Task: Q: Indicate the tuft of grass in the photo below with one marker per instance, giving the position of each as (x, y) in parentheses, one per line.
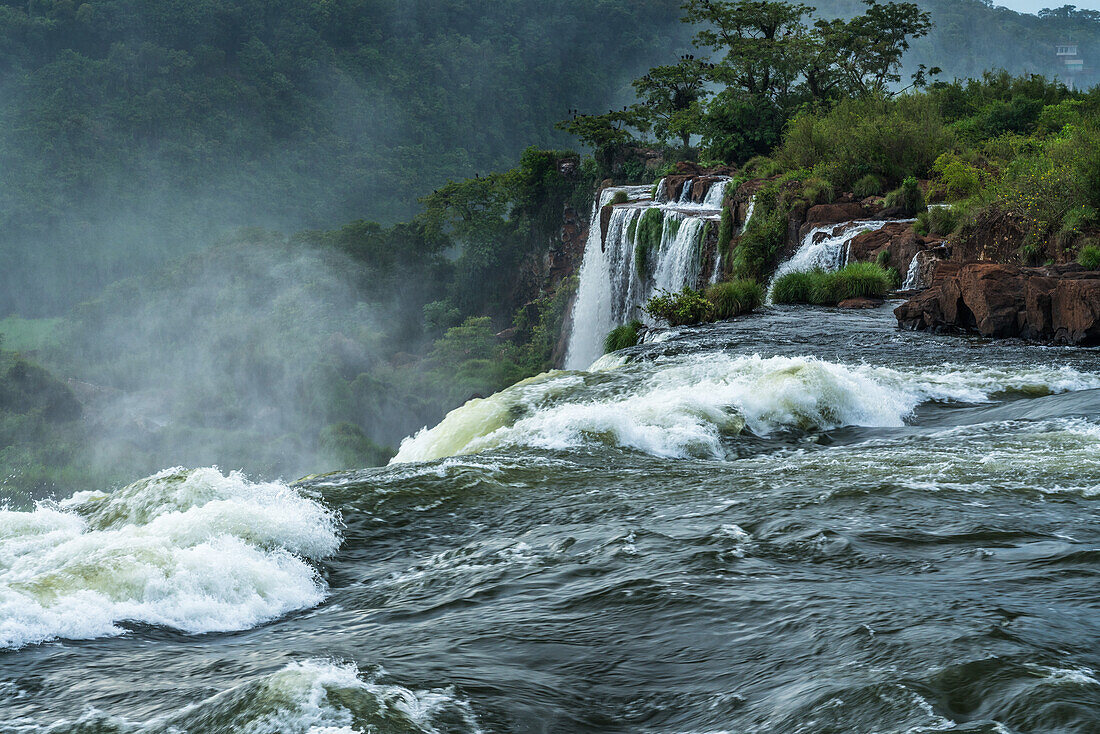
(619, 197)
(869, 185)
(821, 288)
(622, 337)
(1089, 256)
(909, 198)
(734, 298)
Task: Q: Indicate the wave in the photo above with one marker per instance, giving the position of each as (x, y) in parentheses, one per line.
(686, 406)
(193, 550)
(310, 697)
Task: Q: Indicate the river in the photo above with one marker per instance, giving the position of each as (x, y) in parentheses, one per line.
(800, 521)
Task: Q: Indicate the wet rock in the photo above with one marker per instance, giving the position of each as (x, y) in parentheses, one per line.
(856, 303)
(1059, 304)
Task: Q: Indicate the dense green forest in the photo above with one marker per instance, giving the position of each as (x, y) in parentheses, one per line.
(133, 130)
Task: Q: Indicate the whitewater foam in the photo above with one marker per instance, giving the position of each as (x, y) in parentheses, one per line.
(193, 550)
(687, 406)
(309, 697)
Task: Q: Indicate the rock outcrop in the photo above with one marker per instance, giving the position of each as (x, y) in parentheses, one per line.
(1058, 304)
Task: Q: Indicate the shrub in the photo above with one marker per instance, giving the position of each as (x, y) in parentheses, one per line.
(818, 191)
(619, 197)
(887, 138)
(940, 220)
(895, 277)
(622, 337)
(869, 185)
(883, 258)
(955, 178)
(756, 252)
(1031, 254)
(734, 298)
(680, 309)
(909, 198)
(1089, 256)
(858, 280)
(1078, 219)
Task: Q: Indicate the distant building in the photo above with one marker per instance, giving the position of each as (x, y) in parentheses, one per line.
(1072, 63)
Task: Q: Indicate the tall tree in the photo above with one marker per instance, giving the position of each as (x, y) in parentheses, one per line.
(672, 97)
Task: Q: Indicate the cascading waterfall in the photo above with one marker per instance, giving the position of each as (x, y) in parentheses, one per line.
(748, 214)
(831, 251)
(912, 278)
(612, 291)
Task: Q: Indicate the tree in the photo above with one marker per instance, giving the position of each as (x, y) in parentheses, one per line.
(867, 50)
(608, 134)
(672, 97)
(761, 45)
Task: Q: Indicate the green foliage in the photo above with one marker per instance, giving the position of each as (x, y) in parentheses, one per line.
(672, 96)
(908, 198)
(725, 234)
(955, 178)
(939, 220)
(734, 298)
(620, 197)
(758, 249)
(680, 309)
(622, 337)
(869, 185)
(648, 235)
(1089, 256)
(818, 287)
(890, 139)
(818, 191)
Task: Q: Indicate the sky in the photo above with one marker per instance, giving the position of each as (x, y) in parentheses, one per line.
(1034, 6)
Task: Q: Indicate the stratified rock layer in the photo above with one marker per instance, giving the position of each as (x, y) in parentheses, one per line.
(1059, 304)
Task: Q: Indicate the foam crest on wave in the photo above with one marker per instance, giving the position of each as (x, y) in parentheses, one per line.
(194, 550)
(686, 406)
(310, 697)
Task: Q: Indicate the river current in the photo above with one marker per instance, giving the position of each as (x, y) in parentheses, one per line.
(802, 521)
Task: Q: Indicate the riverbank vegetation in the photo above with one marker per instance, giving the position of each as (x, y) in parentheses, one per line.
(828, 288)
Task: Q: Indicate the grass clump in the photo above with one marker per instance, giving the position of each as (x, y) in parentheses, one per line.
(622, 337)
(734, 298)
(867, 186)
(685, 308)
(909, 198)
(821, 288)
(619, 197)
(1089, 256)
(940, 220)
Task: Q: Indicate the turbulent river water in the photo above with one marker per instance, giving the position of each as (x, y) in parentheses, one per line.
(801, 521)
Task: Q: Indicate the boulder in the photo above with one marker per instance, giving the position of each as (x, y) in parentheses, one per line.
(834, 213)
(1059, 304)
(860, 303)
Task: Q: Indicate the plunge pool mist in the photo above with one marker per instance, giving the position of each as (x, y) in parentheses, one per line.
(800, 521)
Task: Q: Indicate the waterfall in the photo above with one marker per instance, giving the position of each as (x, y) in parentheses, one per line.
(748, 214)
(912, 278)
(685, 192)
(611, 290)
(831, 251)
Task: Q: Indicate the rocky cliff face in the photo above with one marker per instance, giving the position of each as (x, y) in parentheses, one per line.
(1058, 304)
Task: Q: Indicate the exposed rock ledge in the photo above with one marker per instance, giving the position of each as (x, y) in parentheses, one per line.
(1058, 304)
